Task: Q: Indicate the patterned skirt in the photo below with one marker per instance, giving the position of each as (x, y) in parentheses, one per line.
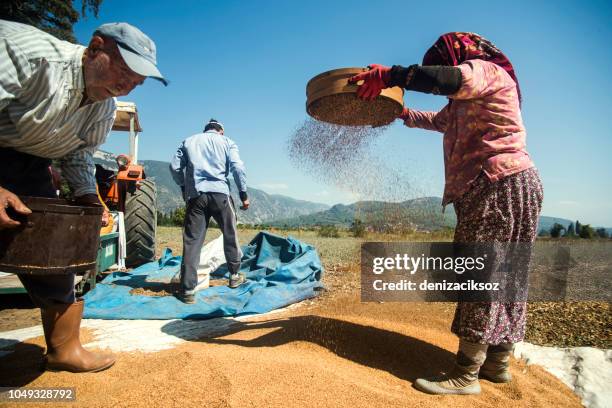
(505, 211)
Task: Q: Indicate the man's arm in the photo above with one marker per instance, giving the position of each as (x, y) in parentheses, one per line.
(15, 70)
(177, 166)
(239, 172)
(78, 167)
(79, 170)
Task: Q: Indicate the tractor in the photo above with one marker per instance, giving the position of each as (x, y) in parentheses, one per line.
(129, 191)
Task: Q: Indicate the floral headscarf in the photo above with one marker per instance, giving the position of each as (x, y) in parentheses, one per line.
(457, 47)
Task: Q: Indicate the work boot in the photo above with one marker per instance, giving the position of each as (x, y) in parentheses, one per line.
(61, 324)
(463, 379)
(495, 367)
(236, 279)
(187, 296)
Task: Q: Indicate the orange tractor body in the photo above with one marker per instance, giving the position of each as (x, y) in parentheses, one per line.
(129, 191)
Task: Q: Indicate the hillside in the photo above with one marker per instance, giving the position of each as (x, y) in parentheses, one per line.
(278, 210)
(264, 207)
(421, 214)
(547, 222)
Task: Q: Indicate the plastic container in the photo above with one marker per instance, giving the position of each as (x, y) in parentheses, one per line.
(108, 250)
(330, 98)
(58, 238)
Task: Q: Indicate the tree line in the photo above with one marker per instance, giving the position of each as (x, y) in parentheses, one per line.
(574, 230)
(358, 228)
(176, 218)
(57, 17)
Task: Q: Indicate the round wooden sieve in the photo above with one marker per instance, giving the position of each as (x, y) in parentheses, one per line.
(331, 99)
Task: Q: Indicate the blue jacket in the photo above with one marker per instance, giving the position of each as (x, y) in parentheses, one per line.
(203, 162)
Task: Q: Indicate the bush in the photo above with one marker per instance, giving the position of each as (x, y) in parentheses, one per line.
(556, 229)
(178, 217)
(329, 231)
(543, 233)
(357, 228)
(586, 231)
(164, 220)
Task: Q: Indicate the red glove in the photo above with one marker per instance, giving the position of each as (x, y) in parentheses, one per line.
(374, 81)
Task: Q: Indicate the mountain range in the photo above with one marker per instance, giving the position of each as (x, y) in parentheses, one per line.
(264, 207)
(421, 213)
(547, 222)
(277, 210)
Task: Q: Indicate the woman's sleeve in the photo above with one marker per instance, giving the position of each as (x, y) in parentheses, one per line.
(427, 120)
(480, 79)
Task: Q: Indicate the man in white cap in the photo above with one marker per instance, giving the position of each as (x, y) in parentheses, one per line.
(201, 167)
(57, 102)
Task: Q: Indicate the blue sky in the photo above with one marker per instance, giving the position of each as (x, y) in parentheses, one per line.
(246, 63)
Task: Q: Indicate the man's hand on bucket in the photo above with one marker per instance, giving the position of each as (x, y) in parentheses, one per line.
(10, 200)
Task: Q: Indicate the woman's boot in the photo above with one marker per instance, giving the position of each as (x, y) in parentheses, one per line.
(495, 367)
(61, 324)
(463, 379)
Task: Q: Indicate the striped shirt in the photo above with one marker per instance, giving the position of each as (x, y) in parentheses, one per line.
(41, 88)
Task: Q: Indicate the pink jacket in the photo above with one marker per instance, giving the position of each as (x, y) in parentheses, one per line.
(482, 126)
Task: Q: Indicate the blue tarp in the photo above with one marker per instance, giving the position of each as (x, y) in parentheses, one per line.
(280, 271)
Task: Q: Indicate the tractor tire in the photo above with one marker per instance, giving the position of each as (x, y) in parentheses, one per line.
(140, 224)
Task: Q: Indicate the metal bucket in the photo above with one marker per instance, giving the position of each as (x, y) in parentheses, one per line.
(329, 98)
(58, 238)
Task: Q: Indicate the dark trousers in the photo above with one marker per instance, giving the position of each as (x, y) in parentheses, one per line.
(27, 175)
(197, 216)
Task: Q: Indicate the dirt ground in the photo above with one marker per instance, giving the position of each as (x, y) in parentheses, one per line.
(16, 312)
(333, 352)
(338, 352)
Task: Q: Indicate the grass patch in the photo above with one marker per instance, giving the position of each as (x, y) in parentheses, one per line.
(569, 324)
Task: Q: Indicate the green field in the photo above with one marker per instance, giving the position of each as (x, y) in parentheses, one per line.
(344, 249)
